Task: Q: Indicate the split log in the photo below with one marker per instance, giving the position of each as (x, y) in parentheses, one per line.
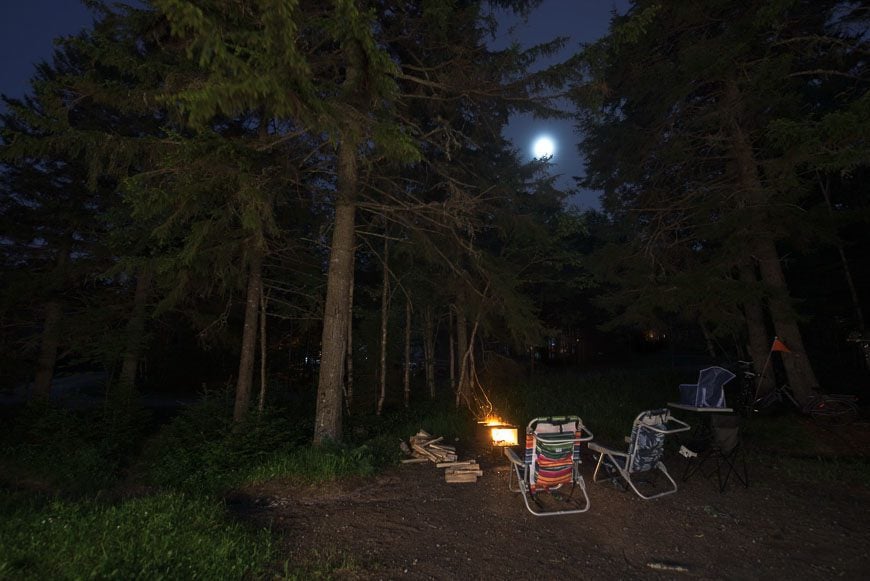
(456, 464)
(454, 478)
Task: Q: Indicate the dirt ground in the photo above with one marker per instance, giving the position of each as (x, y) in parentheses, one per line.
(410, 524)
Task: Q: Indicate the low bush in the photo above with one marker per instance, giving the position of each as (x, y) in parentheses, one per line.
(70, 451)
(202, 450)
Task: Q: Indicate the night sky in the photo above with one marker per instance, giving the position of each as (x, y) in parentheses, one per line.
(27, 29)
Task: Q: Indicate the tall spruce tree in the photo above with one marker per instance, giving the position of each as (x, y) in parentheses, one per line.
(679, 98)
(53, 224)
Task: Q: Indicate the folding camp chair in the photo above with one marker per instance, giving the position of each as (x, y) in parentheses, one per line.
(645, 448)
(551, 462)
(723, 454)
(709, 391)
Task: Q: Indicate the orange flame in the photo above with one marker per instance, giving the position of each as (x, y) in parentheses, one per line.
(504, 436)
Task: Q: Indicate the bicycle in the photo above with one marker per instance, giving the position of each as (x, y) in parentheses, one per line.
(748, 386)
(826, 409)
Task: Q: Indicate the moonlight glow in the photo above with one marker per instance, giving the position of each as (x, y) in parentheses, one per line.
(543, 147)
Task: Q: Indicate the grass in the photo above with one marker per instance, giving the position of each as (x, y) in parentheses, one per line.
(606, 401)
(853, 471)
(165, 536)
(62, 469)
(76, 452)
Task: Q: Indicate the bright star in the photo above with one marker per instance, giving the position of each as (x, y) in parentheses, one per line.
(543, 147)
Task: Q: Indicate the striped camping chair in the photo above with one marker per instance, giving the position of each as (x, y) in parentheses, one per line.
(551, 463)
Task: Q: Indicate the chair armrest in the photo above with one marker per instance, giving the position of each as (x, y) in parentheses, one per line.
(605, 450)
(682, 427)
(512, 456)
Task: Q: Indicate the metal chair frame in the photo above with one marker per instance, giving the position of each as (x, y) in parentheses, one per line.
(631, 463)
(526, 469)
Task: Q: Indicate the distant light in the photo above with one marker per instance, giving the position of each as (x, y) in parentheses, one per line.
(543, 147)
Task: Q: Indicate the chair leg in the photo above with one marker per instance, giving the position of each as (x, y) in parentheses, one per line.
(598, 467)
(732, 462)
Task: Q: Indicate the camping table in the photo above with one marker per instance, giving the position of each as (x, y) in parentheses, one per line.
(702, 433)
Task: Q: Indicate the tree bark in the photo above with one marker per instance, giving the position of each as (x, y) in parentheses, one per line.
(327, 424)
(406, 383)
(51, 329)
(429, 350)
(801, 377)
(385, 319)
(847, 271)
(757, 335)
(348, 358)
(48, 351)
(708, 340)
(261, 400)
(462, 349)
(452, 349)
(249, 339)
(135, 336)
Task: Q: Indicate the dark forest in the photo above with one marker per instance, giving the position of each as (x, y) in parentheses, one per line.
(250, 246)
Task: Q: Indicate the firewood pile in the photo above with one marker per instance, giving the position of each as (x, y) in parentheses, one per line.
(423, 447)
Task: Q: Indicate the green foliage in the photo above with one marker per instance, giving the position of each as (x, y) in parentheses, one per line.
(167, 536)
(606, 401)
(203, 450)
(74, 452)
(312, 464)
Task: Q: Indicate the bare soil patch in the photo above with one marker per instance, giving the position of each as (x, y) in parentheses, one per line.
(408, 523)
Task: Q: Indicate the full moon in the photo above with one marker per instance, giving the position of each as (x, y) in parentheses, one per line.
(543, 147)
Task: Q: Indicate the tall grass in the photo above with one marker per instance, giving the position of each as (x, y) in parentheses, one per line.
(606, 401)
(203, 451)
(69, 451)
(167, 536)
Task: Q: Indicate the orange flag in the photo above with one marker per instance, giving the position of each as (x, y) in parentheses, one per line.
(779, 346)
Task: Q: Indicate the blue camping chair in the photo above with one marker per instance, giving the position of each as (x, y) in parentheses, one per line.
(645, 448)
(708, 392)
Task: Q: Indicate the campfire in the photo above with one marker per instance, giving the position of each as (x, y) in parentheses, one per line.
(502, 433)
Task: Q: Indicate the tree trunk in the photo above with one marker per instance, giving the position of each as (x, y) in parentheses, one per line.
(847, 271)
(348, 358)
(48, 351)
(385, 319)
(249, 339)
(134, 337)
(801, 377)
(406, 380)
(452, 349)
(327, 425)
(800, 373)
(429, 350)
(51, 329)
(708, 340)
(757, 336)
(261, 400)
(462, 349)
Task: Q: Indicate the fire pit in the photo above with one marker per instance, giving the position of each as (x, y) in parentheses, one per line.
(501, 433)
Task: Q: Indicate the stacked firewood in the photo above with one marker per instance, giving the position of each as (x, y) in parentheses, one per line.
(423, 447)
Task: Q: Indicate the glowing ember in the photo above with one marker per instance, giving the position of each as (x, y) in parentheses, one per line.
(504, 436)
